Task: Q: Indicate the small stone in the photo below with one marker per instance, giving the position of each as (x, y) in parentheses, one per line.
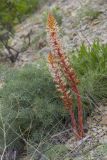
(104, 128)
(44, 51)
(105, 158)
(1, 84)
(103, 140)
(105, 112)
(96, 22)
(99, 131)
(104, 120)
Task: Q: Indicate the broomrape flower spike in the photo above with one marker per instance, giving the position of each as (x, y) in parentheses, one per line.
(61, 88)
(60, 68)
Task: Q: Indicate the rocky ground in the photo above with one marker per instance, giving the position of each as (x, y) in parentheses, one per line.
(82, 21)
(94, 145)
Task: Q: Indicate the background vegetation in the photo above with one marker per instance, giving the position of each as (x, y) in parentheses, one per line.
(14, 11)
(31, 106)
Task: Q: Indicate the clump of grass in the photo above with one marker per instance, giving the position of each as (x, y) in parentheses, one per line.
(92, 58)
(87, 12)
(91, 66)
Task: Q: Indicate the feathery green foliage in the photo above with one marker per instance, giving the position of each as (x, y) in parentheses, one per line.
(29, 101)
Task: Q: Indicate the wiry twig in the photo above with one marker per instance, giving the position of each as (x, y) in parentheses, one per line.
(59, 134)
